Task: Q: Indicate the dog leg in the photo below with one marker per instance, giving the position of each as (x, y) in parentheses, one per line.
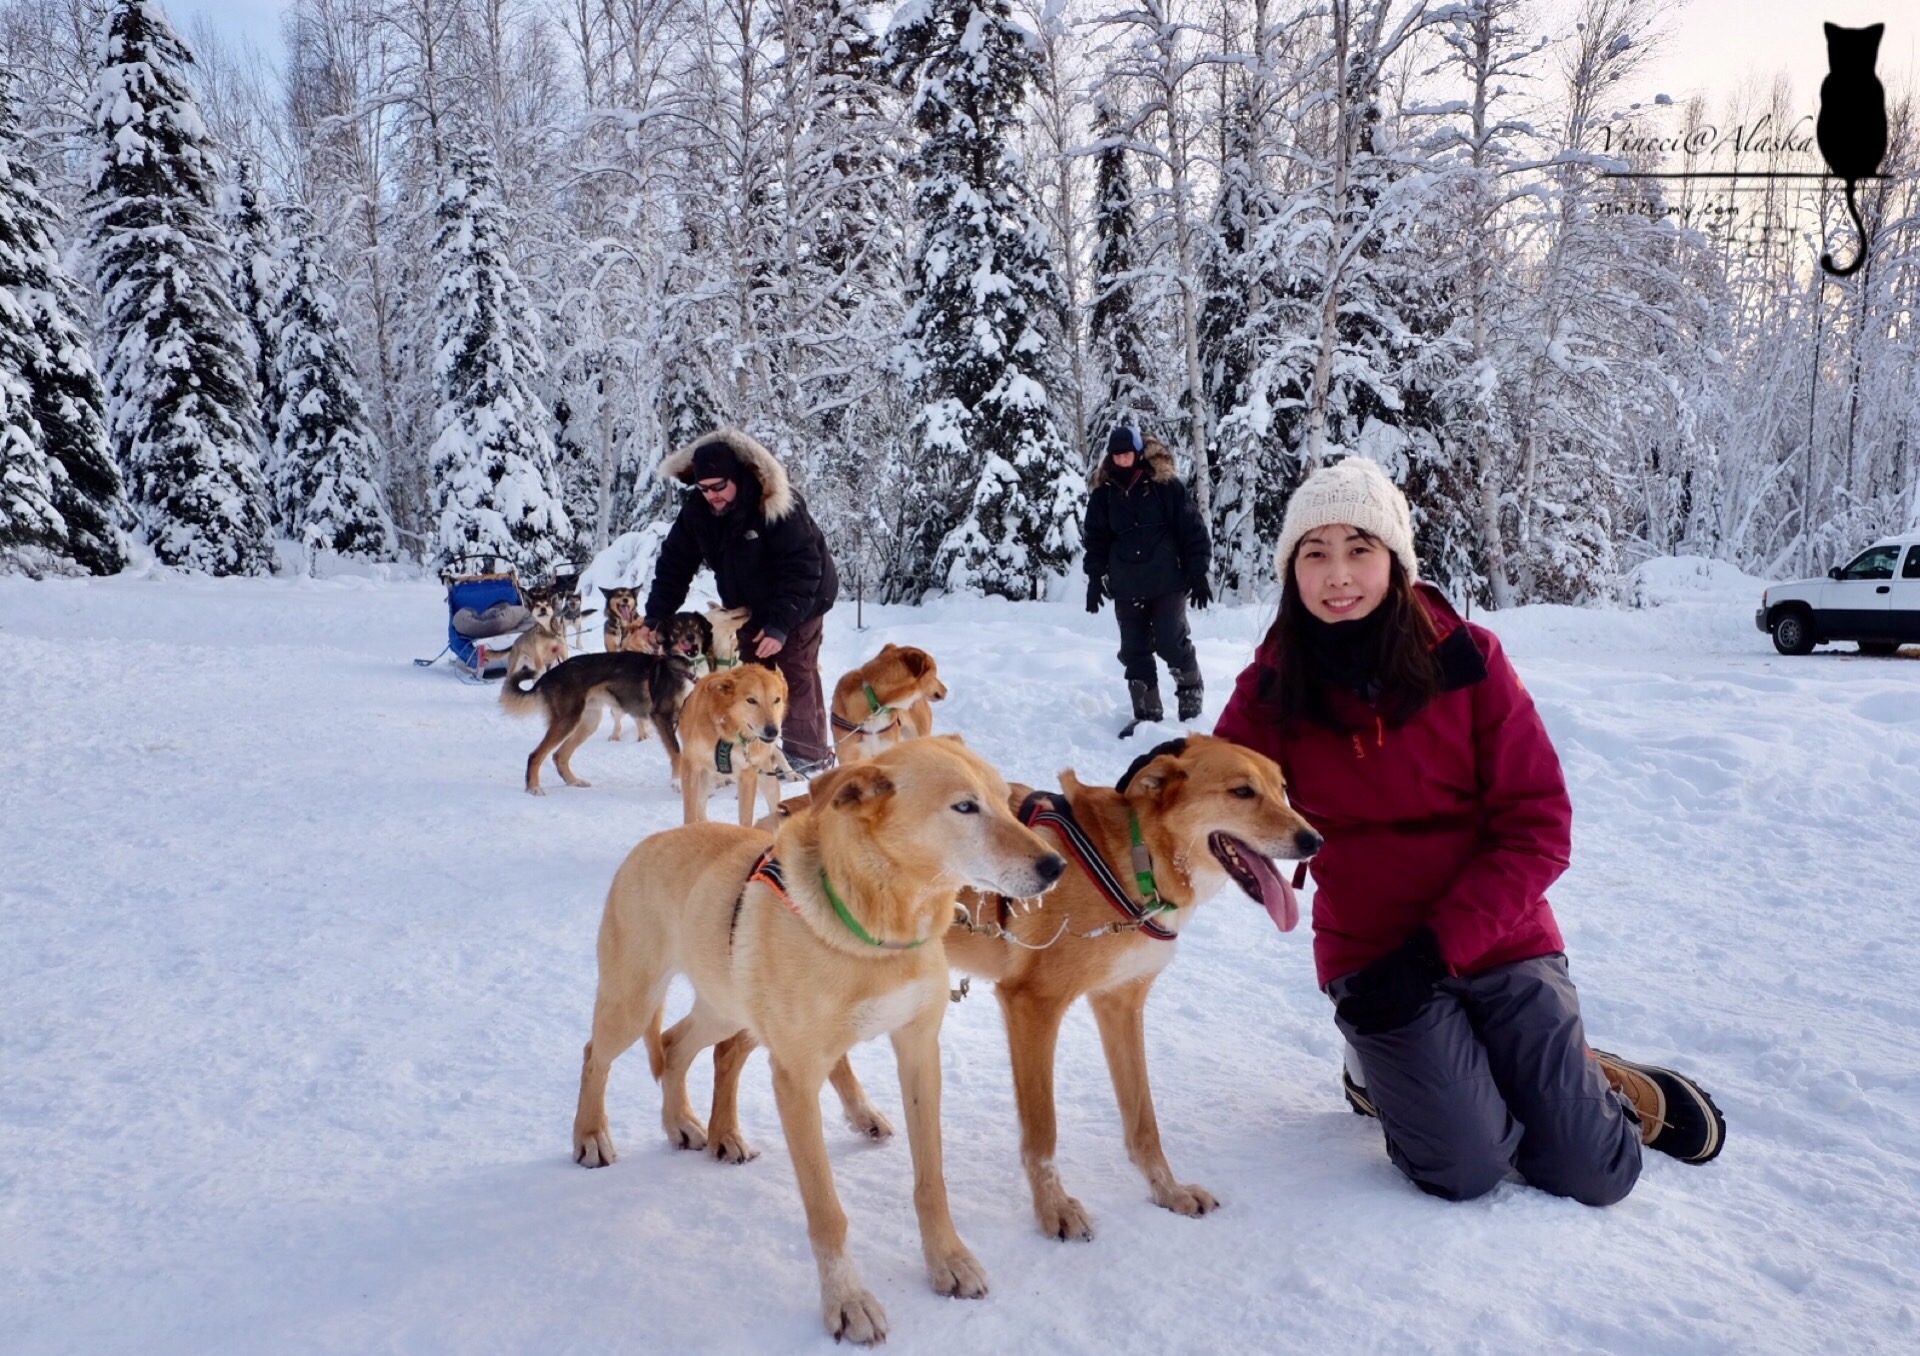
(693, 795)
(1121, 1014)
(664, 725)
(555, 735)
(614, 738)
(563, 756)
(847, 1307)
(626, 1005)
(862, 1115)
(1033, 1030)
(724, 1140)
(679, 1047)
(747, 783)
(952, 1269)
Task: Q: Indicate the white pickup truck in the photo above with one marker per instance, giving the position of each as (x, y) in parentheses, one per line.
(1872, 600)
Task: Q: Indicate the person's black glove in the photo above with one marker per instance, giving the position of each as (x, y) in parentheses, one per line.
(1387, 994)
(1094, 593)
(1199, 591)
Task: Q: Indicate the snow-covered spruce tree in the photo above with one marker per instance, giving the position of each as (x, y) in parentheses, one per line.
(326, 460)
(33, 536)
(253, 246)
(180, 405)
(1250, 445)
(43, 353)
(999, 504)
(1119, 368)
(493, 471)
(841, 287)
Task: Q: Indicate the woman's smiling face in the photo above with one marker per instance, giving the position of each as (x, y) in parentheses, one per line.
(1341, 572)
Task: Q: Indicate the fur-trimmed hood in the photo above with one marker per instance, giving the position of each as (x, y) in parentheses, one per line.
(1159, 464)
(776, 493)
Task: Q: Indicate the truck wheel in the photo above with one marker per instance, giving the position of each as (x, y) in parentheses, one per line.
(1793, 633)
(1879, 649)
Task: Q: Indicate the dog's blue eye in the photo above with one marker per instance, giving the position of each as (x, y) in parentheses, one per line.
(967, 807)
(1243, 793)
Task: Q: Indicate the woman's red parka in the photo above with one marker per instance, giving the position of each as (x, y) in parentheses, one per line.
(1458, 819)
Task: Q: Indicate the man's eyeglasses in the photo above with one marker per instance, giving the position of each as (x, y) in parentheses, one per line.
(712, 487)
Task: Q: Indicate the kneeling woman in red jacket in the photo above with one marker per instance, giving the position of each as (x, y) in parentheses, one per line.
(1409, 742)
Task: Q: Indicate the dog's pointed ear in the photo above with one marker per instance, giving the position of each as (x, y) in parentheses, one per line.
(853, 787)
(725, 685)
(1154, 772)
(1155, 780)
(915, 660)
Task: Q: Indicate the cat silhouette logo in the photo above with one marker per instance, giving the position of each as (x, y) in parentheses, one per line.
(1853, 120)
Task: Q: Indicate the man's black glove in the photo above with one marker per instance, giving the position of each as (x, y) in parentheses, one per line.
(1387, 994)
(1094, 593)
(1199, 591)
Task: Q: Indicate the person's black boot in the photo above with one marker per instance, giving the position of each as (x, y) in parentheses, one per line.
(1146, 705)
(1189, 691)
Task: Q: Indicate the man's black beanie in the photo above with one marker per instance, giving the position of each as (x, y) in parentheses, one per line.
(716, 461)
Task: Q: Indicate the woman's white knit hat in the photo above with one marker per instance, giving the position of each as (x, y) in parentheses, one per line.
(1354, 491)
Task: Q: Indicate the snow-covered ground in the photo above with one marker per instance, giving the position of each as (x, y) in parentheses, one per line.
(294, 981)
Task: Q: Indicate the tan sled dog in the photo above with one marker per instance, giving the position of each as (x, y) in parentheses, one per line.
(841, 943)
(730, 732)
(542, 645)
(885, 700)
(726, 623)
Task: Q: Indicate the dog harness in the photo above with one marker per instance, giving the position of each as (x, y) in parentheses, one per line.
(723, 754)
(867, 726)
(769, 873)
(1052, 810)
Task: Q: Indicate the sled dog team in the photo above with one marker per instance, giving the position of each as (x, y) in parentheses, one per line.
(1409, 739)
(839, 917)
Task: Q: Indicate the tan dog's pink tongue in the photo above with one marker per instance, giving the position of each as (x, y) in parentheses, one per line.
(1283, 906)
(1276, 893)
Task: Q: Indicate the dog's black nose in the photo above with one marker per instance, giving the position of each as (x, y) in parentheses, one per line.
(1306, 842)
(1051, 868)
(770, 732)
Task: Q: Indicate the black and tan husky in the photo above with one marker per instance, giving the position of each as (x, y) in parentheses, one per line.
(644, 686)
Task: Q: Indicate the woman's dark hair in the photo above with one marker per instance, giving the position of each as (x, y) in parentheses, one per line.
(1408, 674)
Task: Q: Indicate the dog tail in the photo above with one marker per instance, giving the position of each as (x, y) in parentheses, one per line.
(656, 1052)
(520, 701)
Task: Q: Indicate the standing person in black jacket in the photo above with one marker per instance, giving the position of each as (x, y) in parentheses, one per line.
(751, 528)
(1147, 550)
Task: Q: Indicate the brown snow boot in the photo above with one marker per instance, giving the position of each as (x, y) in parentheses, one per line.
(1146, 705)
(1675, 1114)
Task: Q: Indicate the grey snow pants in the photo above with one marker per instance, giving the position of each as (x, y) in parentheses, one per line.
(1493, 1076)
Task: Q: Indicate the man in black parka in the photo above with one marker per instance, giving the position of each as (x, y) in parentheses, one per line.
(746, 523)
(1147, 550)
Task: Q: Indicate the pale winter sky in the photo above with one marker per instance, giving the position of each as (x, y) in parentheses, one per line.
(1713, 47)
(1717, 44)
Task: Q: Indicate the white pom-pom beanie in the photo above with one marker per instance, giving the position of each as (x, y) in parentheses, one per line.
(1354, 491)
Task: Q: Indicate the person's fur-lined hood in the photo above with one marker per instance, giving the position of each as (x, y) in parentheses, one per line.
(1159, 464)
(776, 494)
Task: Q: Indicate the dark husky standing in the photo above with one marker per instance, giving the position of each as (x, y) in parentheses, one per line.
(644, 686)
